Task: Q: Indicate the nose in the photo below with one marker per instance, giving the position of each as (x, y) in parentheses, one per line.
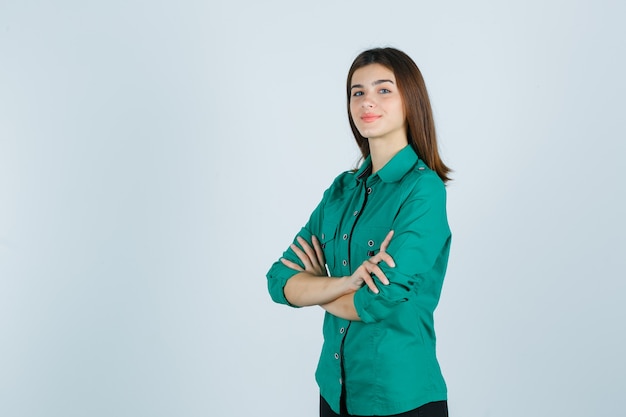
(367, 102)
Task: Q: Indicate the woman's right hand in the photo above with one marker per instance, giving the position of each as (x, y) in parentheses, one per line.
(311, 257)
(364, 273)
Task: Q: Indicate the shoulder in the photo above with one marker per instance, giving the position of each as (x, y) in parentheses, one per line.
(344, 181)
(346, 178)
(340, 189)
(421, 182)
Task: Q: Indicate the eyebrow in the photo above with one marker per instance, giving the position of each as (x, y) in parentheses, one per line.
(377, 82)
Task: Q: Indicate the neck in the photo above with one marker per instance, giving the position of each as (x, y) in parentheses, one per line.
(381, 151)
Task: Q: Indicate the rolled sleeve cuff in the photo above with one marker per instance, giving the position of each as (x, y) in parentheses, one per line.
(277, 278)
(371, 307)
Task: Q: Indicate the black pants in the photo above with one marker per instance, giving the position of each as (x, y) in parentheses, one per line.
(434, 409)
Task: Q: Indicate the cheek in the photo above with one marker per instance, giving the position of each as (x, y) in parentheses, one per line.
(353, 109)
(399, 109)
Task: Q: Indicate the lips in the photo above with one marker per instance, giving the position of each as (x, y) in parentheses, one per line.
(368, 118)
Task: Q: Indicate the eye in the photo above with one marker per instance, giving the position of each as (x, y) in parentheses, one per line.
(384, 91)
(357, 94)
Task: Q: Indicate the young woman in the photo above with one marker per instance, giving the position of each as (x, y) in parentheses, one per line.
(374, 252)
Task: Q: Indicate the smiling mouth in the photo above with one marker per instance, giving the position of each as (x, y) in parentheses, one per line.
(369, 118)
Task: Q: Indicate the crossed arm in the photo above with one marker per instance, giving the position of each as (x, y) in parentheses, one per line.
(313, 286)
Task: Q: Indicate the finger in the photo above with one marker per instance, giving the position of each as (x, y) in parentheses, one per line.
(367, 271)
(375, 270)
(319, 251)
(369, 281)
(309, 251)
(302, 256)
(385, 244)
(383, 256)
(291, 265)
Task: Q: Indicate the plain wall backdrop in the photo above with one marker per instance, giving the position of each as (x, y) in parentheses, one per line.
(157, 157)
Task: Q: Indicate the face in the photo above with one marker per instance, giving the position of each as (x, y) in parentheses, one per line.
(376, 105)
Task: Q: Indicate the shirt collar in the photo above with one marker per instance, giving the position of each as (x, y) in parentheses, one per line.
(394, 170)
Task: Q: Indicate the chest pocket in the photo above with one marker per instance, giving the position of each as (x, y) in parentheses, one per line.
(366, 242)
(328, 242)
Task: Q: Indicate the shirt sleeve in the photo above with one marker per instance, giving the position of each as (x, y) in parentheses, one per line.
(279, 274)
(419, 247)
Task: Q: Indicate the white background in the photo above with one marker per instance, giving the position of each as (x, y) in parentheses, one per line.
(157, 157)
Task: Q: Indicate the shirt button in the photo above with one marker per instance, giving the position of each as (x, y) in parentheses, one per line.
(345, 236)
(370, 243)
(323, 236)
(369, 190)
(356, 212)
(336, 356)
(340, 381)
(345, 262)
(342, 330)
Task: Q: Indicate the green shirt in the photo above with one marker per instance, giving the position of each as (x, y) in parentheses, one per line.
(387, 361)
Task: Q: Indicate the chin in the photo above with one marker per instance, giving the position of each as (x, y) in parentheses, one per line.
(369, 133)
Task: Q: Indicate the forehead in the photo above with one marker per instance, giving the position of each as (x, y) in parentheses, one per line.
(371, 73)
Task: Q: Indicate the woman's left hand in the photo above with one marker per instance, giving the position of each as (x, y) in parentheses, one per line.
(311, 257)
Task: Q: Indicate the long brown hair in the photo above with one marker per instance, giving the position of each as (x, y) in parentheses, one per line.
(419, 115)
